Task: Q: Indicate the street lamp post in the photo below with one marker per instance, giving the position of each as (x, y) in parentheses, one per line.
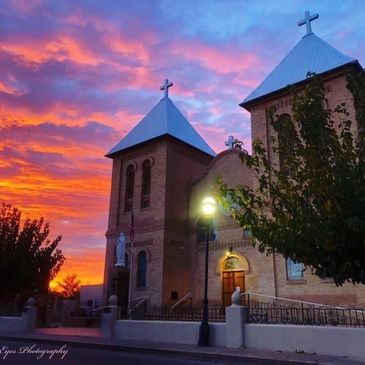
(209, 207)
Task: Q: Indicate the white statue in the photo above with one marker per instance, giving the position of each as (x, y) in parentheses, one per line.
(236, 297)
(120, 250)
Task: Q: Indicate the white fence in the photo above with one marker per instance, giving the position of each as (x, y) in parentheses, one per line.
(236, 333)
(168, 332)
(24, 324)
(11, 324)
(337, 341)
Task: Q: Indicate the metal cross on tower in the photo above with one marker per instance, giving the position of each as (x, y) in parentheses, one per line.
(231, 142)
(165, 87)
(307, 21)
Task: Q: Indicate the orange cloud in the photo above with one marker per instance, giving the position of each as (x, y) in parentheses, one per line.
(62, 114)
(67, 182)
(88, 265)
(59, 49)
(51, 154)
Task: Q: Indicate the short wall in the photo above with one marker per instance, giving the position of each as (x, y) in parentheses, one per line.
(11, 324)
(168, 332)
(338, 341)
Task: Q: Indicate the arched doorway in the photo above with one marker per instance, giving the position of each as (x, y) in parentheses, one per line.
(233, 275)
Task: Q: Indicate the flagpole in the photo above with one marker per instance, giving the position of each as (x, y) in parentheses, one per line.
(130, 279)
(131, 240)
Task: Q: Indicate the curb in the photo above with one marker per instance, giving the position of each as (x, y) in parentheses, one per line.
(181, 353)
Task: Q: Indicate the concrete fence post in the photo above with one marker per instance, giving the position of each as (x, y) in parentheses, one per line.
(236, 319)
(108, 318)
(29, 316)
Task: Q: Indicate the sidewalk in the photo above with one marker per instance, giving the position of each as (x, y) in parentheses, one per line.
(90, 338)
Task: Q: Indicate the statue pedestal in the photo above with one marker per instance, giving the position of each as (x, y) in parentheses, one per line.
(236, 318)
(118, 284)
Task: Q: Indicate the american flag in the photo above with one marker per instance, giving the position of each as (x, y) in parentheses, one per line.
(131, 228)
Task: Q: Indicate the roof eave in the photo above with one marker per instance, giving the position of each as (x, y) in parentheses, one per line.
(248, 104)
(127, 149)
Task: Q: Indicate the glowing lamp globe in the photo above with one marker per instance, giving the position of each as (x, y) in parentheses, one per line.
(209, 206)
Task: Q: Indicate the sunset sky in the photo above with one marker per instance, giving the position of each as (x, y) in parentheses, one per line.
(76, 76)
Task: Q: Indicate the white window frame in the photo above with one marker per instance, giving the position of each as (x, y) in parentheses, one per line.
(294, 270)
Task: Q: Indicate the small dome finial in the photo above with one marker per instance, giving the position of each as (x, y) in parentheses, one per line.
(231, 142)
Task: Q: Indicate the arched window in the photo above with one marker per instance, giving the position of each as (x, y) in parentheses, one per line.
(283, 143)
(141, 269)
(146, 184)
(129, 189)
(201, 231)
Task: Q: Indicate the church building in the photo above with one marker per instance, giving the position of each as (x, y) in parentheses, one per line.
(162, 169)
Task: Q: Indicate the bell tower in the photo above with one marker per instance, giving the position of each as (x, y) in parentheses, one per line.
(153, 168)
(311, 55)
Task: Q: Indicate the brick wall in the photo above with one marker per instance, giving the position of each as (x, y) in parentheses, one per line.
(184, 165)
(149, 222)
(161, 229)
(311, 288)
(181, 177)
(259, 276)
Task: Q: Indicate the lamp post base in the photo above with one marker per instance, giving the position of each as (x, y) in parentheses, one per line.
(203, 334)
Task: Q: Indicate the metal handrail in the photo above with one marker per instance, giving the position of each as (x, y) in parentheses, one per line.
(139, 299)
(139, 303)
(96, 310)
(296, 301)
(181, 301)
(301, 313)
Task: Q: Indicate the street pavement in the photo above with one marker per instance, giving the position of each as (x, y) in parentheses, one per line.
(15, 352)
(85, 346)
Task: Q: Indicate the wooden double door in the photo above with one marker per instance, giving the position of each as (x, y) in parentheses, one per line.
(230, 280)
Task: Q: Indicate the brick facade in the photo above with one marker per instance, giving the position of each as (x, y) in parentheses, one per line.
(166, 230)
(162, 229)
(311, 288)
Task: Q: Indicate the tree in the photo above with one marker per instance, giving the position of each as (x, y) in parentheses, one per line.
(28, 259)
(312, 209)
(70, 286)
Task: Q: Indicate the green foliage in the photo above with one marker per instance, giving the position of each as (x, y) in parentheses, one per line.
(70, 287)
(28, 260)
(313, 210)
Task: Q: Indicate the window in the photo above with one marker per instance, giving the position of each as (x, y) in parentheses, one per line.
(146, 184)
(283, 142)
(201, 231)
(129, 189)
(231, 205)
(294, 270)
(246, 233)
(141, 269)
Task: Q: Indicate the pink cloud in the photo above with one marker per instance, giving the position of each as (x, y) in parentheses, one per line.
(10, 89)
(225, 59)
(25, 7)
(131, 48)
